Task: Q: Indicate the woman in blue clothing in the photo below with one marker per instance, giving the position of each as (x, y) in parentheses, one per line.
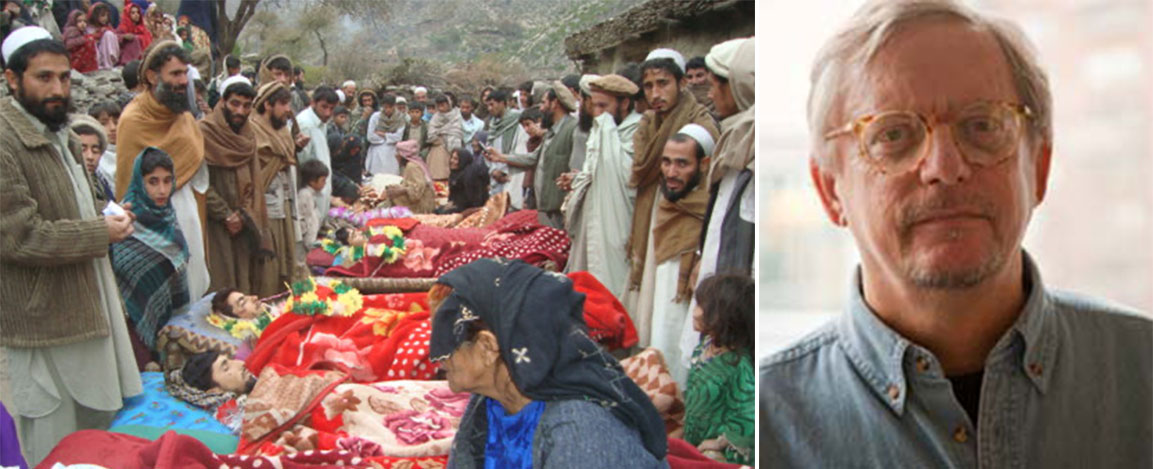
(544, 393)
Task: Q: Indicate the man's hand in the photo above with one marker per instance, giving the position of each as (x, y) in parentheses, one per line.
(302, 140)
(564, 182)
(495, 156)
(119, 227)
(234, 223)
(128, 210)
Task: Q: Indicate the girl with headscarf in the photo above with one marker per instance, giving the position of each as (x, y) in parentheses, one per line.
(467, 183)
(151, 266)
(514, 336)
(416, 191)
(135, 36)
(107, 41)
(81, 46)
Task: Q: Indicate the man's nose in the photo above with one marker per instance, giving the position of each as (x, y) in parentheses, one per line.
(944, 162)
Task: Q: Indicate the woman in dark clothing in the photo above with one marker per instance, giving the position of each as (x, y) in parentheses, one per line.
(467, 183)
(348, 159)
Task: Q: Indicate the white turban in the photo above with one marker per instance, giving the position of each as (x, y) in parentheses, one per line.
(701, 135)
(720, 57)
(348, 84)
(20, 37)
(420, 89)
(667, 54)
(232, 80)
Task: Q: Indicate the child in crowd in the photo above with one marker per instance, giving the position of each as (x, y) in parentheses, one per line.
(313, 176)
(719, 397)
(107, 113)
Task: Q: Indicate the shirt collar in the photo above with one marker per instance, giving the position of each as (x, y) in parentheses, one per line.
(878, 352)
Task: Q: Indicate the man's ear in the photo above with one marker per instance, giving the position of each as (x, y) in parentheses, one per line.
(826, 185)
(10, 76)
(1041, 163)
(150, 76)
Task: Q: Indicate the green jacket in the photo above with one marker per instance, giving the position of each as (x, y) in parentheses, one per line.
(550, 160)
(49, 294)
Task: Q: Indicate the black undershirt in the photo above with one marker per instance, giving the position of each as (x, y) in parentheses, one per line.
(967, 389)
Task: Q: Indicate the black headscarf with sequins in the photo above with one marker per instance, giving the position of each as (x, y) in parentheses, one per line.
(538, 321)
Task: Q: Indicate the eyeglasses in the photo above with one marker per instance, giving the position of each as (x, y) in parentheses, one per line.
(897, 141)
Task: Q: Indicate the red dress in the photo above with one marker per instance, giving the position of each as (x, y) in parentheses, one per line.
(81, 46)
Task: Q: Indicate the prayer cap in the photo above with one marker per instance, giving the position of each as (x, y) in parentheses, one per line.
(232, 80)
(720, 57)
(21, 37)
(400, 99)
(615, 85)
(701, 135)
(348, 83)
(667, 54)
(584, 82)
(419, 89)
(564, 95)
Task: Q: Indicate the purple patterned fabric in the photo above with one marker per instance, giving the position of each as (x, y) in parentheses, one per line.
(9, 446)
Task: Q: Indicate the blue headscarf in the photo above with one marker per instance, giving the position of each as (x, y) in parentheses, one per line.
(538, 321)
(161, 221)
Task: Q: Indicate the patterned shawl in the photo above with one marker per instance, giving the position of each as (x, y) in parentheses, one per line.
(151, 266)
(538, 320)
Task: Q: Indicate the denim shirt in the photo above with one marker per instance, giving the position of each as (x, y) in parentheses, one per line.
(1070, 384)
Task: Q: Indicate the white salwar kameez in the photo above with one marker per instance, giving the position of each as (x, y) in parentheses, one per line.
(381, 155)
(599, 212)
(317, 149)
(188, 217)
(656, 315)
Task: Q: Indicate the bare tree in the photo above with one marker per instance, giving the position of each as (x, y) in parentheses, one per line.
(228, 29)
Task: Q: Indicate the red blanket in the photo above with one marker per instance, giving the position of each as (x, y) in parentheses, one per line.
(433, 251)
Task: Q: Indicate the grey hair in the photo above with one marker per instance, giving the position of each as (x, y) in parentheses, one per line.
(871, 27)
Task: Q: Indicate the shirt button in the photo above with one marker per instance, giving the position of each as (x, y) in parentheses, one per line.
(961, 435)
(1035, 368)
(922, 364)
(894, 392)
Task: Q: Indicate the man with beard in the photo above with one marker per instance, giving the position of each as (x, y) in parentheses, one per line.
(276, 157)
(669, 109)
(584, 123)
(70, 359)
(160, 117)
(349, 89)
(312, 123)
(599, 212)
(235, 208)
(671, 252)
(551, 158)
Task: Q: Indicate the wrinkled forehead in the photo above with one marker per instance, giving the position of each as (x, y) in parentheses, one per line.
(932, 66)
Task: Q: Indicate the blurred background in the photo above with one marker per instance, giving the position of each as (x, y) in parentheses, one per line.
(1094, 232)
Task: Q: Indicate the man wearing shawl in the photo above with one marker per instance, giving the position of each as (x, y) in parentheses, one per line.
(729, 233)
(599, 212)
(515, 337)
(385, 129)
(551, 158)
(70, 358)
(416, 191)
(470, 122)
(666, 287)
(312, 123)
(505, 134)
(670, 109)
(236, 226)
(276, 157)
(150, 266)
(445, 134)
(160, 118)
(367, 101)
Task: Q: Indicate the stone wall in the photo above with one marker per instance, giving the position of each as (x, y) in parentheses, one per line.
(88, 88)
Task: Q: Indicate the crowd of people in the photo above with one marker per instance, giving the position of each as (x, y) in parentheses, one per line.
(183, 188)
